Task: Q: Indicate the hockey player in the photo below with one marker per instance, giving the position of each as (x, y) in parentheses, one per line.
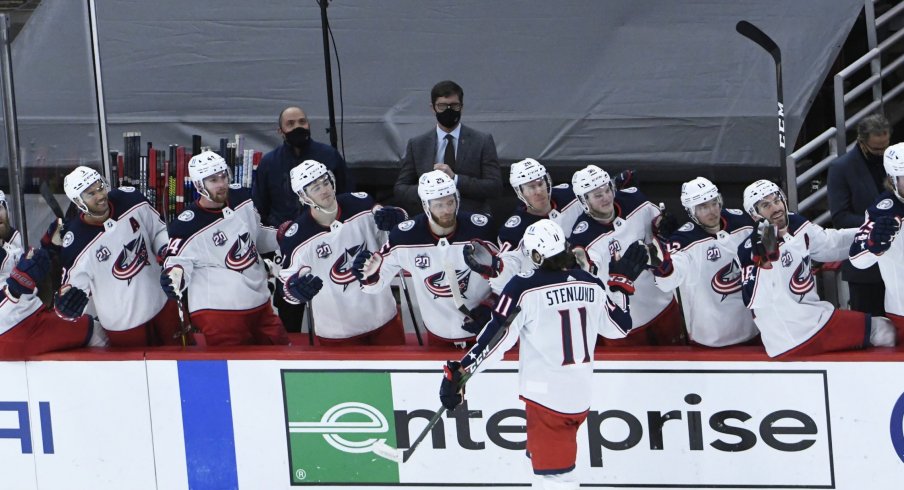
(533, 186)
(698, 261)
(320, 246)
(779, 286)
(428, 246)
(876, 239)
(213, 252)
(555, 306)
(26, 328)
(109, 253)
(612, 220)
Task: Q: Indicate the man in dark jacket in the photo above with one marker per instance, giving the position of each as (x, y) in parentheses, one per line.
(855, 179)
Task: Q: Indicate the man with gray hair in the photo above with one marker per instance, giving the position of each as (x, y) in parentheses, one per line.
(855, 180)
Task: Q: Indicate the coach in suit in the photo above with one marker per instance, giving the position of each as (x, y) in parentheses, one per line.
(466, 155)
(855, 181)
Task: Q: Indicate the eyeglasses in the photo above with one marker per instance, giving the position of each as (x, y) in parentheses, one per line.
(440, 107)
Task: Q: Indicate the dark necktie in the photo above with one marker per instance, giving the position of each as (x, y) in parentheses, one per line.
(449, 156)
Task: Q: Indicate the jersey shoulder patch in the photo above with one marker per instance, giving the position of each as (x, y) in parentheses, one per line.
(412, 232)
(126, 188)
(630, 190)
(68, 238)
(479, 219)
(360, 195)
(686, 227)
(562, 186)
(186, 215)
(235, 186)
(406, 225)
(885, 204)
(736, 212)
(580, 227)
(292, 230)
(513, 221)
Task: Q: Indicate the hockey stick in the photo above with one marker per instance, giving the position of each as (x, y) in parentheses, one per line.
(417, 329)
(457, 298)
(185, 326)
(51, 201)
(753, 33)
(384, 450)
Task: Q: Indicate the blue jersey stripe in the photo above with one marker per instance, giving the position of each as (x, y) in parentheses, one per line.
(207, 425)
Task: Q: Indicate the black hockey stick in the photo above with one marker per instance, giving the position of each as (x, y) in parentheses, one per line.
(51, 200)
(384, 450)
(417, 329)
(753, 33)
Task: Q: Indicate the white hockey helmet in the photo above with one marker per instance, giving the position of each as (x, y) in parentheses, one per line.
(587, 179)
(77, 182)
(893, 161)
(204, 165)
(546, 238)
(696, 192)
(434, 185)
(758, 191)
(3, 199)
(304, 174)
(528, 170)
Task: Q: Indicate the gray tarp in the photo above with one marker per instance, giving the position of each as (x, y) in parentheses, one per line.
(579, 81)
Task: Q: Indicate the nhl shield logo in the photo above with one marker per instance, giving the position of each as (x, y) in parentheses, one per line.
(242, 254)
(131, 260)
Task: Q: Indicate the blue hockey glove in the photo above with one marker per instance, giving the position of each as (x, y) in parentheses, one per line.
(302, 289)
(481, 315)
(30, 270)
(172, 282)
(388, 217)
(449, 392)
(366, 267)
(625, 178)
(880, 236)
(71, 304)
(482, 258)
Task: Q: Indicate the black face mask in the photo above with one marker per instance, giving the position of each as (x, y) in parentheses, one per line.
(299, 138)
(448, 118)
(874, 159)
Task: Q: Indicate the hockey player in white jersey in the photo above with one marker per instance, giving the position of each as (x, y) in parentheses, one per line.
(539, 200)
(320, 246)
(214, 254)
(698, 260)
(612, 220)
(778, 285)
(427, 247)
(879, 239)
(558, 311)
(109, 253)
(26, 327)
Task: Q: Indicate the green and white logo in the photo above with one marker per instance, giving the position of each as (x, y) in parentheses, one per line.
(332, 420)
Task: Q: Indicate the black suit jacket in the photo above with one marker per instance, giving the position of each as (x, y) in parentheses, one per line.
(851, 191)
(476, 165)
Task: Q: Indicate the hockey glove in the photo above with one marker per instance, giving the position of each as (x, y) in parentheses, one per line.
(366, 267)
(764, 242)
(30, 270)
(626, 178)
(665, 225)
(450, 394)
(388, 217)
(660, 262)
(172, 282)
(480, 316)
(624, 271)
(482, 258)
(71, 304)
(881, 234)
(584, 261)
(53, 237)
(302, 289)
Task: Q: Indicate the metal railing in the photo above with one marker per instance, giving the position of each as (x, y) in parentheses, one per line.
(836, 137)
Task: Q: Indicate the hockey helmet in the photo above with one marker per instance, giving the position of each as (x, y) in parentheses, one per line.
(758, 191)
(696, 192)
(78, 181)
(894, 165)
(304, 174)
(528, 170)
(587, 179)
(2, 199)
(546, 238)
(204, 165)
(434, 185)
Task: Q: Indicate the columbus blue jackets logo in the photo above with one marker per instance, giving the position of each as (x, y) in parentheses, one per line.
(802, 281)
(341, 272)
(727, 280)
(242, 254)
(439, 286)
(131, 260)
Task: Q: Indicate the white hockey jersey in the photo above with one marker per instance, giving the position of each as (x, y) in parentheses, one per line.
(891, 262)
(704, 271)
(561, 314)
(786, 308)
(341, 310)
(565, 212)
(116, 261)
(633, 222)
(14, 311)
(219, 252)
(413, 247)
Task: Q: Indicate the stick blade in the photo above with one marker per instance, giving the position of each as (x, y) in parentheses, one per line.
(756, 35)
(385, 451)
